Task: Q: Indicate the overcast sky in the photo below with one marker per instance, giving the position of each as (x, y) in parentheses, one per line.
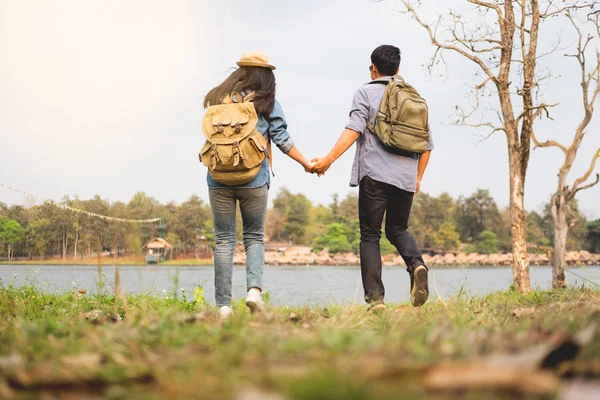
(106, 97)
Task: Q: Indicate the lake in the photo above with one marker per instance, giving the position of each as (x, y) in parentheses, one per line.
(294, 286)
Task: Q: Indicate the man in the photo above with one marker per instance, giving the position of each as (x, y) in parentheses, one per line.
(387, 184)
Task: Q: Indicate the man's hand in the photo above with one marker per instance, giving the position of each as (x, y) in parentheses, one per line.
(321, 165)
(418, 186)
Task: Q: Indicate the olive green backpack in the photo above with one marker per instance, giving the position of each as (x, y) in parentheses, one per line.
(234, 150)
(402, 120)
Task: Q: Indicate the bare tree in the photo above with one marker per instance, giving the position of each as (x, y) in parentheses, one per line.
(501, 39)
(561, 200)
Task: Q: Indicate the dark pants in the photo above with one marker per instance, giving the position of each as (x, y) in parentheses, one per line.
(375, 199)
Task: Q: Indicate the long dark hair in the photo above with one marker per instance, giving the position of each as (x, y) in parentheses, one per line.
(259, 80)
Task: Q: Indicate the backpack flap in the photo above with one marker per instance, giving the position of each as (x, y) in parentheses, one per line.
(229, 121)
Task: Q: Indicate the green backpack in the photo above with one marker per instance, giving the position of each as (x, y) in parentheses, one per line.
(234, 150)
(402, 120)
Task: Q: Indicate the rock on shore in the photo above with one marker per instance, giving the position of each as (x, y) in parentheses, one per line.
(305, 256)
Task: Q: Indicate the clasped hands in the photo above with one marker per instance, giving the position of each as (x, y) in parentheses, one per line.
(318, 165)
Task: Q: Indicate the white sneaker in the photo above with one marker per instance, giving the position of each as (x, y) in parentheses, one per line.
(254, 302)
(225, 312)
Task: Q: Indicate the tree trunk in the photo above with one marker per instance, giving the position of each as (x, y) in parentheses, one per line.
(9, 252)
(75, 245)
(64, 246)
(517, 215)
(561, 228)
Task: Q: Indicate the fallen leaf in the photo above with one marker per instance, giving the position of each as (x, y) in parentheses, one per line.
(94, 314)
(475, 376)
(11, 363)
(197, 317)
(256, 394)
(520, 312)
(89, 361)
(98, 316)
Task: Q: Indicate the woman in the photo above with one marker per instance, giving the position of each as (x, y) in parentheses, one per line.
(255, 78)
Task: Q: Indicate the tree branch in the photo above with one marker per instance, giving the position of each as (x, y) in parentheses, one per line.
(435, 42)
(538, 111)
(491, 6)
(585, 176)
(548, 13)
(584, 187)
(547, 143)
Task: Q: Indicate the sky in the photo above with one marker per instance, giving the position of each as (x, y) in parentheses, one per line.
(106, 97)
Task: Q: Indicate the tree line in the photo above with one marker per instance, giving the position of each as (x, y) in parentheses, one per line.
(439, 224)
(49, 230)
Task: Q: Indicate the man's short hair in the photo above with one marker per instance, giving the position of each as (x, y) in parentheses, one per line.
(387, 59)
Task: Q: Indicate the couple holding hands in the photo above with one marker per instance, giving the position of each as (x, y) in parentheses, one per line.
(389, 123)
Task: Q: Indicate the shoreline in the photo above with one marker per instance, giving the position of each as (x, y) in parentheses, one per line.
(210, 264)
(304, 259)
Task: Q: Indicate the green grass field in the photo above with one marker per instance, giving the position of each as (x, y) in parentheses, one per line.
(138, 346)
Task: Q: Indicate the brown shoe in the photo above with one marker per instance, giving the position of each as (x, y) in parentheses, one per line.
(419, 286)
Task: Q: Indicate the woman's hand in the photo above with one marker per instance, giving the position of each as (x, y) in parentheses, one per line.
(309, 167)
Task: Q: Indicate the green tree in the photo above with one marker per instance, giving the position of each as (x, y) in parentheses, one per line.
(189, 223)
(487, 243)
(475, 214)
(593, 237)
(447, 237)
(334, 240)
(292, 211)
(175, 241)
(319, 218)
(39, 236)
(386, 247)
(348, 208)
(11, 233)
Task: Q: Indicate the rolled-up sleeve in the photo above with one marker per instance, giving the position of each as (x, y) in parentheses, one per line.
(278, 130)
(359, 113)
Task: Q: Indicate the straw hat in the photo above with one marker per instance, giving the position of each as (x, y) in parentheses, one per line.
(255, 59)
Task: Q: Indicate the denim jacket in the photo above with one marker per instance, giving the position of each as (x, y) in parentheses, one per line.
(275, 127)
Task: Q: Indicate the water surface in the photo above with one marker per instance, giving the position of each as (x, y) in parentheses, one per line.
(294, 286)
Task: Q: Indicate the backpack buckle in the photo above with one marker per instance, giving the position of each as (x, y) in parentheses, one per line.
(220, 128)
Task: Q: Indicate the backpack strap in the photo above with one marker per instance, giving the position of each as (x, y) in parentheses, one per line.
(270, 154)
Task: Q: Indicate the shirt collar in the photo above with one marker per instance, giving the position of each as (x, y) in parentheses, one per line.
(383, 79)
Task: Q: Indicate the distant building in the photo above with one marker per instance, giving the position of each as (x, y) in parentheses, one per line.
(157, 250)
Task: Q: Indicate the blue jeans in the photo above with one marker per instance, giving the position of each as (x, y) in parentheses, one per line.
(253, 205)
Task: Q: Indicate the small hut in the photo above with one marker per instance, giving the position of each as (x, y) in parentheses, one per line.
(157, 250)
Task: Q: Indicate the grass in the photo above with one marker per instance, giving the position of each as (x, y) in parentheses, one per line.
(144, 346)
